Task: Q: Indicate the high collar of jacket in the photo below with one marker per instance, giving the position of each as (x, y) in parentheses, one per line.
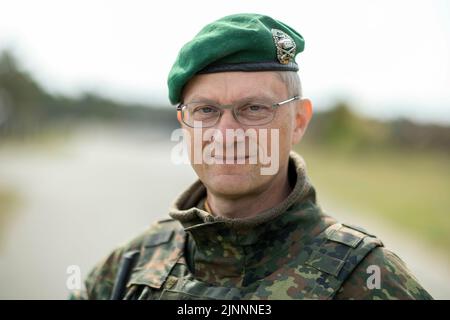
(225, 245)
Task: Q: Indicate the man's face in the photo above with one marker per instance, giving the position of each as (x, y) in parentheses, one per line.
(234, 180)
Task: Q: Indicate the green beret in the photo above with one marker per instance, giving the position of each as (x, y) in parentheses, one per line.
(240, 42)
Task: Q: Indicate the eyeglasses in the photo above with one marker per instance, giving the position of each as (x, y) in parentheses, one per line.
(207, 114)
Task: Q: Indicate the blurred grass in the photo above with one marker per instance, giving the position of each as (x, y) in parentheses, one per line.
(46, 139)
(409, 189)
(9, 200)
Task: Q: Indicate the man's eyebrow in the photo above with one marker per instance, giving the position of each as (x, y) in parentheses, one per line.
(201, 98)
(258, 97)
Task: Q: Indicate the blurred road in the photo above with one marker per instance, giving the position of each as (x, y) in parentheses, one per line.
(102, 187)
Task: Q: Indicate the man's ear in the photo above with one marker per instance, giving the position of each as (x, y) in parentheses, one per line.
(179, 117)
(302, 116)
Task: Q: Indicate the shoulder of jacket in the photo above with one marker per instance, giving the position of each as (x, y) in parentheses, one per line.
(101, 278)
(382, 275)
(339, 248)
(158, 233)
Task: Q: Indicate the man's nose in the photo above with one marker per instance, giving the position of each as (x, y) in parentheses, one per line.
(227, 121)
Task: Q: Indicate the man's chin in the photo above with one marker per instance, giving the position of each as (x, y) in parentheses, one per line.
(230, 172)
(231, 184)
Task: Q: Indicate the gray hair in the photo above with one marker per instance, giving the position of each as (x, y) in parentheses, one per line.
(292, 81)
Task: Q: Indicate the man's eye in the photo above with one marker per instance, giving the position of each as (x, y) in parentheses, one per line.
(255, 108)
(205, 110)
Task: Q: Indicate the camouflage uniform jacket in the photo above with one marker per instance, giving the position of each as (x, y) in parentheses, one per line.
(292, 251)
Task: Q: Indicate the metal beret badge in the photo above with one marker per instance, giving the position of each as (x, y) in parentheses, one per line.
(285, 46)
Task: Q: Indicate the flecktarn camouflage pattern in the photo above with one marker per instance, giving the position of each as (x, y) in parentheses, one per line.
(292, 251)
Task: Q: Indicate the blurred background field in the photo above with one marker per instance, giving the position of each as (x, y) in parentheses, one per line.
(83, 172)
(410, 190)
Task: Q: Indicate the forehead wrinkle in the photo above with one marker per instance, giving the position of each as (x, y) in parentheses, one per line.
(224, 90)
(247, 98)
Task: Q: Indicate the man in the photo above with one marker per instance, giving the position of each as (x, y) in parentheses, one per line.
(250, 227)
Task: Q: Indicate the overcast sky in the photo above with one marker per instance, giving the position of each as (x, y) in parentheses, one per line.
(389, 58)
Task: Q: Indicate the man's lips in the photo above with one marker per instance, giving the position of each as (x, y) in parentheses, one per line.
(219, 156)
